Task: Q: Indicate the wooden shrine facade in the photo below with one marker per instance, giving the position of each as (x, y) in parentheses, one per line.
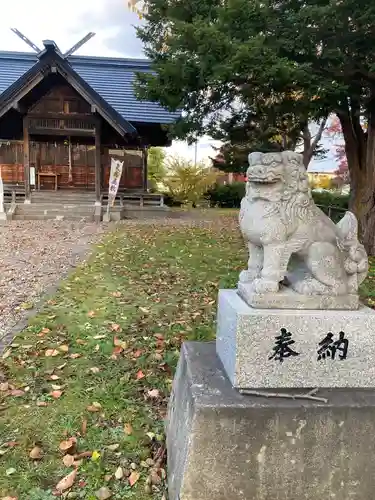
(56, 131)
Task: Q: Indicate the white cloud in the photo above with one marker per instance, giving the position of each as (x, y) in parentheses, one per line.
(64, 22)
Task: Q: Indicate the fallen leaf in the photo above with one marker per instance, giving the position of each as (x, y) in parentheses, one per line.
(68, 445)
(4, 387)
(61, 366)
(140, 375)
(133, 478)
(51, 353)
(119, 474)
(95, 456)
(120, 343)
(91, 314)
(68, 460)
(42, 403)
(95, 369)
(84, 454)
(115, 328)
(56, 394)
(9, 498)
(36, 453)
(84, 427)
(99, 337)
(67, 482)
(154, 393)
(17, 393)
(64, 348)
(94, 407)
(113, 447)
(117, 350)
(11, 444)
(75, 355)
(11, 471)
(43, 332)
(56, 387)
(81, 342)
(54, 377)
(116, 294)
(103, 494)
(128, 429)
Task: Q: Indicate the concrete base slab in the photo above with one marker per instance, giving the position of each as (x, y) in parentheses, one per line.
(287, 298)
(226, 446)
(295, 348)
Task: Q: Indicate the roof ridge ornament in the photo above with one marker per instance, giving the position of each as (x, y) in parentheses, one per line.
(26, 40)
(52, 44)
(79, 44)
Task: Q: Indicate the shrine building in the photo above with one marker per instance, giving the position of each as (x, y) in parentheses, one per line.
(62, 118)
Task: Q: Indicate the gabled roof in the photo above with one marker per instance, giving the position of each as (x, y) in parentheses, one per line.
(50, 61)
(112, 78)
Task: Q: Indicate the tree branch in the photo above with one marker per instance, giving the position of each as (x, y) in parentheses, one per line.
(264, 394)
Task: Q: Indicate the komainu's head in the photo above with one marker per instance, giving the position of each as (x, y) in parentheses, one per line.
(277, 177)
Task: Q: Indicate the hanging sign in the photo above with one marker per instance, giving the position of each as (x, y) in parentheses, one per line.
(114, 180)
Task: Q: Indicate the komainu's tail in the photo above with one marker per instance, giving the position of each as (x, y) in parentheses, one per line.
(356, 261)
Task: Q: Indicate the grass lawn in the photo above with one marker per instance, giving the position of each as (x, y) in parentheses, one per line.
(89, 379)
(92, 373)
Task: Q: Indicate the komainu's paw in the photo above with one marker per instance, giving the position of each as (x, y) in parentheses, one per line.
(248, 276)
(262, 285)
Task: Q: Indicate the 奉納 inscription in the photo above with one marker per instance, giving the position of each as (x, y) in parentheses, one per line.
(330, 347)
(282, 347)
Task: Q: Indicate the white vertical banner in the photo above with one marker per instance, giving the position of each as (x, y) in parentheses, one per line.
(114, 180)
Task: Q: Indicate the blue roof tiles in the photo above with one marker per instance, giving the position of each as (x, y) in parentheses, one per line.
(111, 78)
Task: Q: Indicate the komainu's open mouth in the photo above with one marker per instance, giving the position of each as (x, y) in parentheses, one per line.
(261, 180)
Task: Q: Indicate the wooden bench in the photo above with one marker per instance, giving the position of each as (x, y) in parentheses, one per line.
(136, 198)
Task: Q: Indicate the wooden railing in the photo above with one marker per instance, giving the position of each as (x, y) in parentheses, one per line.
(61, 124)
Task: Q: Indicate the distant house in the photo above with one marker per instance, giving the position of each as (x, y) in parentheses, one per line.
(322, 180)
(63, 117)
(226, 177)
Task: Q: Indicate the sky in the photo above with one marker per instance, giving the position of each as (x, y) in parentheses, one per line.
(68, 21)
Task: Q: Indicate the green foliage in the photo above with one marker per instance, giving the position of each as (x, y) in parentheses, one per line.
(38, 494)
(226, 65)
(331, 199)
(226, 196)
(155, 166)
(187, 183)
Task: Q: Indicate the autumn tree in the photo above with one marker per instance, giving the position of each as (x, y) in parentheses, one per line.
(187, 182)
(213, 59)
(334, 132)
(156, 165)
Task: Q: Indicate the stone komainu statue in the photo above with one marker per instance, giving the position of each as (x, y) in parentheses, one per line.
(290, 240)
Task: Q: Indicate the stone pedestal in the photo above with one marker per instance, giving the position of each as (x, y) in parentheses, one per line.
(226, 446)
(273, 348)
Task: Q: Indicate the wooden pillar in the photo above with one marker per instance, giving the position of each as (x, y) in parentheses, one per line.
(98, 170)
(145, 157)
(26, 159)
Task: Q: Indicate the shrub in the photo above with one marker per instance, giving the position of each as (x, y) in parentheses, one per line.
(226, 196)
(331, 199)
(187, 183)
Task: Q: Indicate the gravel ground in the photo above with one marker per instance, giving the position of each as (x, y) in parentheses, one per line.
(34, 256)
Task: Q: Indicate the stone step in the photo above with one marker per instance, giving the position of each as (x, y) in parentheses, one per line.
(54, 206)
(53, 217)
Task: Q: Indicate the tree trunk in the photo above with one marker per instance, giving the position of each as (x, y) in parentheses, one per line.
(310, 144)
(360, 152)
